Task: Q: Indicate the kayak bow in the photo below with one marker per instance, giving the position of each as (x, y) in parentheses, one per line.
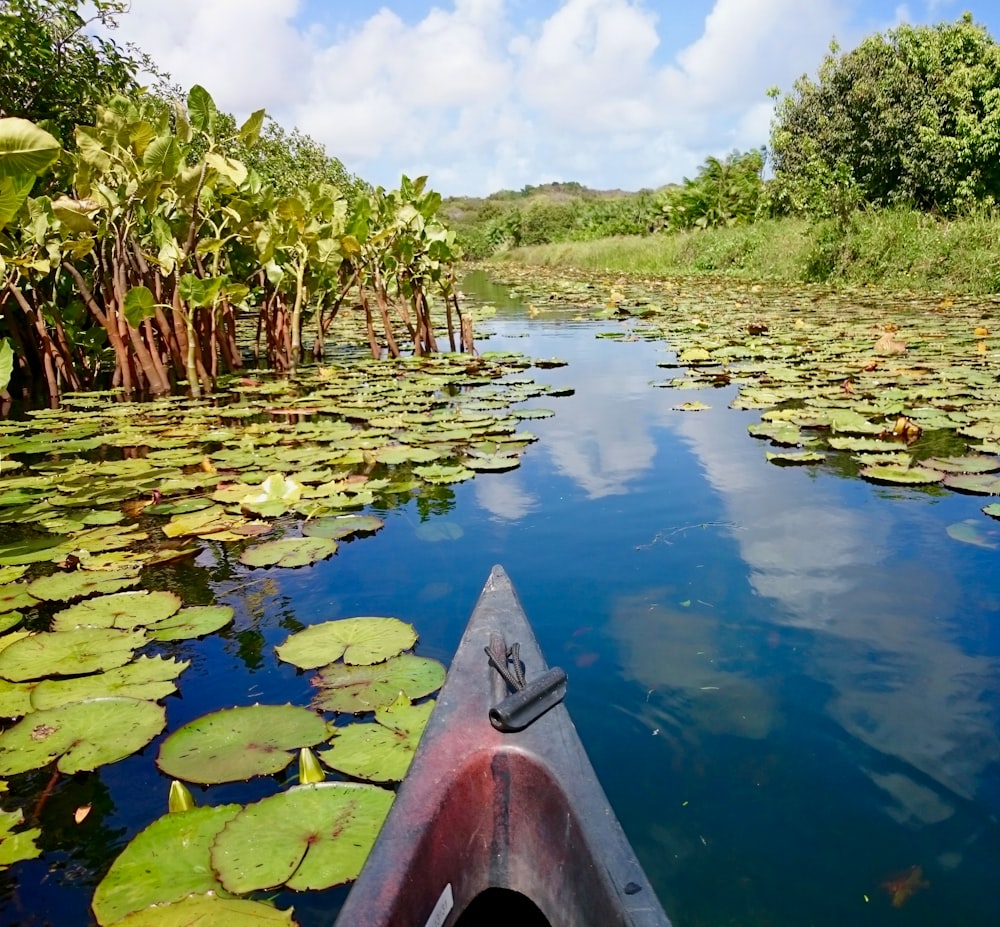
(501, 817)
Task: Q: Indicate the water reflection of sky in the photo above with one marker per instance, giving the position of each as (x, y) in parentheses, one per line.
(830, 627)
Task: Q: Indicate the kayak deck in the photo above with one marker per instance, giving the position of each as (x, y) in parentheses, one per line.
(491, 825)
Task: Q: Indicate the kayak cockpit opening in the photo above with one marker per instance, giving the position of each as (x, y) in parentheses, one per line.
(502, 907)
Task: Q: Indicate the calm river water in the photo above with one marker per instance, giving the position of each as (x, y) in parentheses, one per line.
(788, 681)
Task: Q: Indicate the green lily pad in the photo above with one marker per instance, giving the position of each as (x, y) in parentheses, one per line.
(440, 529)
(909, 476)
(148, 678)
(493, 464)
(289, 552)
(442, 473)
(239, 743)
(33, 550)
(993, 509)
(15, 698)
(209, 909)
(979, 484)
(14, 596)
(194, 621)
(977, 463)
(81, 735)
(355, 689)
(167, 861)
(125, 610)
(310, 837)
(778, 432)
(383, 751)
(360, 641)
(68, 653)
(75, 585)
(15, 847)
(790, 458)
(180, 507)
(341, 526)
(9, 574)
(972, 531)
(403, 453)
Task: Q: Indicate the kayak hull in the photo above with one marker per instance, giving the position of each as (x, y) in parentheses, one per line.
(491, 825)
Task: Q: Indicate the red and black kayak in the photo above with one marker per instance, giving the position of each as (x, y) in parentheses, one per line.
(501, 818)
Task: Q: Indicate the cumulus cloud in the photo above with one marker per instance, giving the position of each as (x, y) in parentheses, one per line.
(480, 99)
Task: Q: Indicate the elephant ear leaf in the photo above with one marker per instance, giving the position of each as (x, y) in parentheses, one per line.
(201, 110)
(25, 149)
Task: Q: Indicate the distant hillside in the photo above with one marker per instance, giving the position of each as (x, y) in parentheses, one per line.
(549, 213)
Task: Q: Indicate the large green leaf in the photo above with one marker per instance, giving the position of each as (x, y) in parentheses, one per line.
(342, 526)
(18, 846)
(383, 751)
(139, 305)
(355, 689)
(211, 910)
(167, 861)
(194, 621)
(238, 743)
(357, 640)
(250, 130)
(310, 837)
(163, 156)
(289, 552)
(201, 110)
(25, 148)
(81, 735)
(125, 610)
(68, 653)
(148, 678)
(13, 192)
(66, 586)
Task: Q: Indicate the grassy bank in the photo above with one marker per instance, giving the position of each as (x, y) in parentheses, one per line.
(898, 250)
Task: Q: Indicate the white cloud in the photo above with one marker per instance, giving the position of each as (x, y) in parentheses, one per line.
(588, 90)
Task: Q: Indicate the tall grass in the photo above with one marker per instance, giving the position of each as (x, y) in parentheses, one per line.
(894, 249)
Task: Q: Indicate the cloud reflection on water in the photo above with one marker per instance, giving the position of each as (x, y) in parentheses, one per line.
(886, 625)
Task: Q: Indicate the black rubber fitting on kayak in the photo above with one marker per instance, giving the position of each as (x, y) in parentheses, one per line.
(520, 708)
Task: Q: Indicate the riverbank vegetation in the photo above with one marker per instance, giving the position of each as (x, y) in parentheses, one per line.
(880, 170)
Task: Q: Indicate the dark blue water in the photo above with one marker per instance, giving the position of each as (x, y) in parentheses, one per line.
(787, 680)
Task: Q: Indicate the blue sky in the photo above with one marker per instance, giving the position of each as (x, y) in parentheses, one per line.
(483, 95)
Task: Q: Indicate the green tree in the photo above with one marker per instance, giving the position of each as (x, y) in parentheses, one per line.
(909, 117)
(56, 68)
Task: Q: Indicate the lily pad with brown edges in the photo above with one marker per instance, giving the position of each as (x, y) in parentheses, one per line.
(381, 751)
(306, 838)
(80, 736)
(238, 743)
(166, 862)
(357, 689)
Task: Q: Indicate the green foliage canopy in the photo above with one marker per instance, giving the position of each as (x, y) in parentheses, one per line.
(909, 117)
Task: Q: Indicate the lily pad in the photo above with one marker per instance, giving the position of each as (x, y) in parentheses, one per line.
(81, 735)
(125, 610)
(68, 653)
(14, 596)
(194, 621)
(979, 484)
(977, 463)
(492, 464)
(310, 837)
(15, 847)
(356, 689)
(180, 507)
(793, 458)
(442, 473)
(75, 585)
(239, 743)
(167, 861)
(383, 751)
(909, 476)
(342, 526)
(148, 678)
(209, 909)
(273, 497)
(972, 531)
(360, 641)
(33, 550)
(289, 552)
(15, 698)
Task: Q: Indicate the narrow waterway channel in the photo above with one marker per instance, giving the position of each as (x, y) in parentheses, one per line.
(788, 680)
